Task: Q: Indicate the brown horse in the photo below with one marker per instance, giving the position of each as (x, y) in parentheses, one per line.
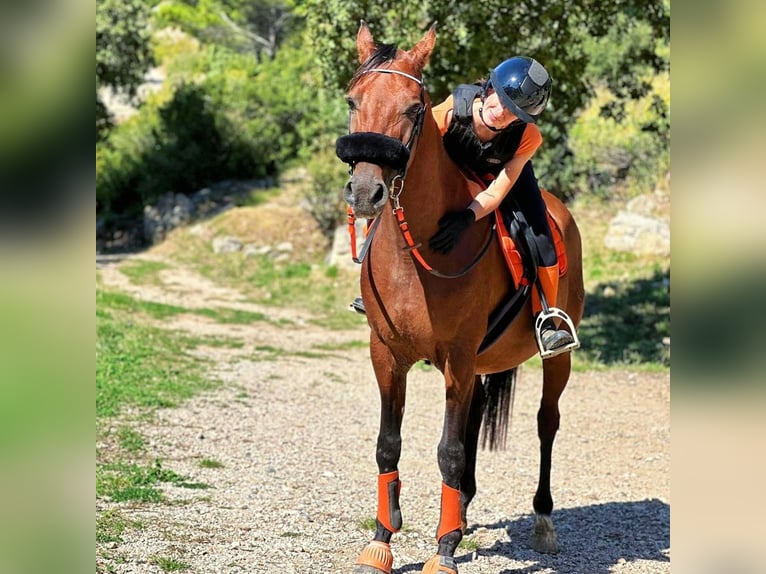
(415, 312)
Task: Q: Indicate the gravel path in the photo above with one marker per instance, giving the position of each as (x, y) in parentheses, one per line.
(296, 437)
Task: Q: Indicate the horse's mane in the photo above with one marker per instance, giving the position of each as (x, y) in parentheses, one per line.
(383, 53)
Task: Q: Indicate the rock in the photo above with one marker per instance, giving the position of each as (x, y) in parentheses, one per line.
(226, 244)
(170, 211)
(640, 228)
(638, 234)
(340, 254)
(252, 250)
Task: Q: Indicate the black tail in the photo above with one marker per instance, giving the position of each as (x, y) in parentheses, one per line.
(499, 389)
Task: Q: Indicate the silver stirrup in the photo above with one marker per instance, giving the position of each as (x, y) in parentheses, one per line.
(555, 313)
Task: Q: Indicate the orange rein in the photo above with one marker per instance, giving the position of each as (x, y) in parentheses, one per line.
(404, 227)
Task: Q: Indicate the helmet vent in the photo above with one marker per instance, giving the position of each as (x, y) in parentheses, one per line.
(537, 73)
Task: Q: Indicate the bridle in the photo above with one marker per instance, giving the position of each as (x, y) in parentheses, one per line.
(381, 149)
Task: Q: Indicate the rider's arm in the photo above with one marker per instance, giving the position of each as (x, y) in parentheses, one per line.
(491, 198)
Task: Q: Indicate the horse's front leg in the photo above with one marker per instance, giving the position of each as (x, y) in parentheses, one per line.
(555, 377)
(376, 558)
(460, 381)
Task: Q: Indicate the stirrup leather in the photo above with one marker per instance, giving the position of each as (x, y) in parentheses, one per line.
(555, 313)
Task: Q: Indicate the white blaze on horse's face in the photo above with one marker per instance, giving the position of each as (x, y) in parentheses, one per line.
(386, 106)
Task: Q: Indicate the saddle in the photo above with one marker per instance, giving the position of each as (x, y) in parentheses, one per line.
(520, 251)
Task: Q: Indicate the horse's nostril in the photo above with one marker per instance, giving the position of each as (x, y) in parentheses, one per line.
(348, 193)
(379, 192)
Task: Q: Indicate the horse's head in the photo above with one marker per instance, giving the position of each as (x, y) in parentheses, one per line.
(387, 104)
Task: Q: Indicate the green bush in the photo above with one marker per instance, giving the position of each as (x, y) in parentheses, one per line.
(325, 196)
(627, 153)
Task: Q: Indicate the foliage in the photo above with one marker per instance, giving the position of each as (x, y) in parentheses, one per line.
(123, 51)
(325, 198)
(613, 155)
(474, 36)
(185, 143)
(621, 139)
(245, 26)
(227, 117)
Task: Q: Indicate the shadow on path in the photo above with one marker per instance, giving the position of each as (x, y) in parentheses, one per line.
(592, 539)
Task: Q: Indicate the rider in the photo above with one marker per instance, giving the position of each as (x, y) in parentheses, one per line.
(489, 128)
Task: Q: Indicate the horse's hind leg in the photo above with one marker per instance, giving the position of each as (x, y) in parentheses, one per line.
(555, 376)
(376, 558)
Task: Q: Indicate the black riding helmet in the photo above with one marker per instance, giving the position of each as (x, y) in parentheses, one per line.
(523, 86)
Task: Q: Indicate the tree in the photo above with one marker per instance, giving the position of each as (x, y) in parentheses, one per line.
(257, 27)
(123, 51)
(473, 36)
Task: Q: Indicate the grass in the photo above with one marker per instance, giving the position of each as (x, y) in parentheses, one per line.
(367, 524)
(142, 366)
(123, 482)
(110, 526)
(140, 271)
(169, 564)
(209, 463)
(121, 301)
(130, 440)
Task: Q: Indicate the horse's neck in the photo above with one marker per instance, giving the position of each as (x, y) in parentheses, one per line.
(434, 184)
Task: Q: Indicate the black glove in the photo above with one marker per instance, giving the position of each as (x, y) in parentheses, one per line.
(451, 227)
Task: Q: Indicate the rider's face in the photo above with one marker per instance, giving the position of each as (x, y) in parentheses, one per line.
(495, 115)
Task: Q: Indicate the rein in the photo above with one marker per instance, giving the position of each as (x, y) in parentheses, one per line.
(343, 151)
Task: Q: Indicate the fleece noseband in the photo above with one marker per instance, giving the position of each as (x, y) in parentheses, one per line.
(372, 147)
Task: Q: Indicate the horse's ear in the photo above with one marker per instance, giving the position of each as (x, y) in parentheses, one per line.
(365, 44)
(421, 51)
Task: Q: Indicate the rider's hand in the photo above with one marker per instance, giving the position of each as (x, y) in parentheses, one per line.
(451, 227)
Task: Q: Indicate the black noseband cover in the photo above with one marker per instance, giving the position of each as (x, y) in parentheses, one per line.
(371, 147)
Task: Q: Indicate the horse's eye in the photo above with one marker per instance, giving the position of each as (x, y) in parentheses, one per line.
(414, 110)
(351, 105)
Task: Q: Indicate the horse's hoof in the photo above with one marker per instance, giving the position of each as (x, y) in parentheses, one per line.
(376, 558)
(440, 565)
(543, 537)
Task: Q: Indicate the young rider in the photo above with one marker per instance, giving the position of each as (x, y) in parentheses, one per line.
(489, 128)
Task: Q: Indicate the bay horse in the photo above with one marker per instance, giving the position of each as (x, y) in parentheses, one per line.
(422, 305)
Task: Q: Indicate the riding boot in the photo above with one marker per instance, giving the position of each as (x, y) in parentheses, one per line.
(358, 306)
(551, 338)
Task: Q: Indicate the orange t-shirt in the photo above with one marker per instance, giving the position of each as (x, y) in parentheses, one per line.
(531, 139)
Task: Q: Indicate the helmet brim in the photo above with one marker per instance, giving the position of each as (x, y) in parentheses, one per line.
(507, 102)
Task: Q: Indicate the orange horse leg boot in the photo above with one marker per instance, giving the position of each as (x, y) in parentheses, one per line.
(377, 554)
(389, 513)
(450, 518)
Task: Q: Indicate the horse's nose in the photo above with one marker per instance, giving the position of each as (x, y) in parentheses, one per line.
(379, 197)
(366, 194)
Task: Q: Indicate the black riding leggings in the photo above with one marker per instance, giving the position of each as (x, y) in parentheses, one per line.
(526, 193)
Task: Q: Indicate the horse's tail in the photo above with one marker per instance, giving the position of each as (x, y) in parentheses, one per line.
(499, 390)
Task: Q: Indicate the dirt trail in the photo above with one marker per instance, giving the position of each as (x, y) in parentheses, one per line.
(296, 437)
